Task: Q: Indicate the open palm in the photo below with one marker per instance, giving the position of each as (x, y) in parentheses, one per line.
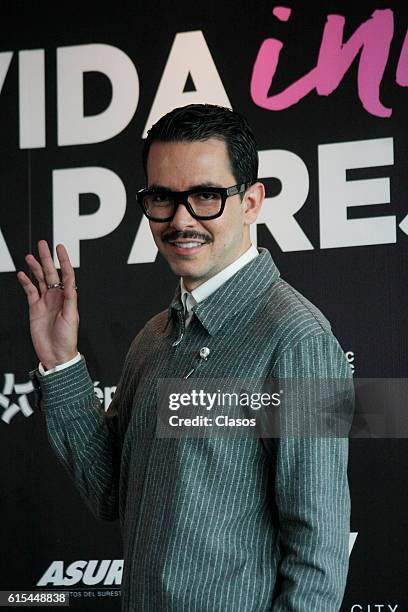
(54, 317)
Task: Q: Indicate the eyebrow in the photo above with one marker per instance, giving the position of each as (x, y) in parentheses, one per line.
(200, 187)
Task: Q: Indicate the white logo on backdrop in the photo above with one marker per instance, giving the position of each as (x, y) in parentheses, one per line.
(374, 607)
(107, 572)
(350, 359)
(20, 403)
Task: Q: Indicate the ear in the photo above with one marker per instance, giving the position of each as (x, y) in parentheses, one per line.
(254, 196)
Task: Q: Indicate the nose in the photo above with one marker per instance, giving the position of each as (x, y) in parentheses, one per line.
(182, 218)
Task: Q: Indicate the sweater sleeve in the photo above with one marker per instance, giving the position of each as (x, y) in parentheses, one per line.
(312, 493)
(85, 438)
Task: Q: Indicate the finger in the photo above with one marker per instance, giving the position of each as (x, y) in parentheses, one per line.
(50, 272)
(68, 274)
(37, 270)
(29, 289)
(69, 308)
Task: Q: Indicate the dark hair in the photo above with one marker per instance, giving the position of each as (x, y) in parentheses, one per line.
(202, 121)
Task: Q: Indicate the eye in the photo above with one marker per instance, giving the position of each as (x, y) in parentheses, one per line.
(206, 196)
(160, 198)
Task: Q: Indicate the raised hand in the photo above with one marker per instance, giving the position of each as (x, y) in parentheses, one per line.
(54, 317)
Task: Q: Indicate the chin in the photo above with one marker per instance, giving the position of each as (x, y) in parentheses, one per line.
(186, 271)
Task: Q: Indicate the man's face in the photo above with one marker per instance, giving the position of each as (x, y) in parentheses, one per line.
(180, 166)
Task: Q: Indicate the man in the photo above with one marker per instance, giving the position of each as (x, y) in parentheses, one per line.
(212, 524)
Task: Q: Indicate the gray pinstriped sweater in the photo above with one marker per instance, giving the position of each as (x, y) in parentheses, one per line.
(214, 524)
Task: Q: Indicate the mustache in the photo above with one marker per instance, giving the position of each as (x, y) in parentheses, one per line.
(175, 234)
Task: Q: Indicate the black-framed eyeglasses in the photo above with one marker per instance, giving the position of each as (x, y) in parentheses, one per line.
(201, 202)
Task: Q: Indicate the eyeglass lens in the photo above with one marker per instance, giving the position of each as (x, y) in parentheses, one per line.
(162, 205)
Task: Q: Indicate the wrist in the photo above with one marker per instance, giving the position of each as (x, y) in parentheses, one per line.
(63, 361)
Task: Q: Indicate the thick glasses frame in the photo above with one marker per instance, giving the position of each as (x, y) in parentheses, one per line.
(181, 197)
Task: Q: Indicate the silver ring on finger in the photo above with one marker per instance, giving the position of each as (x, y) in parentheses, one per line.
(60, 286)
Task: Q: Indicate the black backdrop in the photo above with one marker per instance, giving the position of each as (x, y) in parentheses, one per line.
(361, 286)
